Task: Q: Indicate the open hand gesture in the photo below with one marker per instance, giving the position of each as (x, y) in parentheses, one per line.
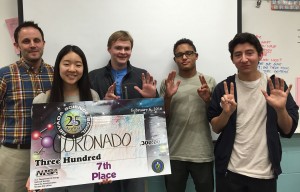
(171, 86)
(149, 86)
(278, 97)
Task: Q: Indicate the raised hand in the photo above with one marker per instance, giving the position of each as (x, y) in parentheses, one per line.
(171, 86)
(149, 86)
(204, 91)
(278, 97)
(110, 94)
(228, 101)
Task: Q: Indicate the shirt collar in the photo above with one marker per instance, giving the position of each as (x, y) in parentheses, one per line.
(28, 68)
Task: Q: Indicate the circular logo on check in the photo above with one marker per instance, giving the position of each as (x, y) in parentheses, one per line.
(73, 121)
(158, 166)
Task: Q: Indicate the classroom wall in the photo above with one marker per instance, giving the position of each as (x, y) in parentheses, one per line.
(288, 181)
(8, 9)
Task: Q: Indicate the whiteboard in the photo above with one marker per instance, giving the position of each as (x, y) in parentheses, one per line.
(279, 34)
(154, 25)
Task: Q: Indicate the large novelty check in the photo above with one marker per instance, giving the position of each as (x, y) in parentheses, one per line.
(85, 142)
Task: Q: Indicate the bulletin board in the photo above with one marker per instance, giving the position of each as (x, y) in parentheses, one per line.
(279, 34)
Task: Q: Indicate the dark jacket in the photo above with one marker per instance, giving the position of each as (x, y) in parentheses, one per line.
(102, 79)
(224, 144)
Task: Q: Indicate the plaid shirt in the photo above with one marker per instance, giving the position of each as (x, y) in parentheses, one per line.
(18, 86)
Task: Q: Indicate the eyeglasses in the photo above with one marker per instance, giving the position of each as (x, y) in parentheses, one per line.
(187, 54)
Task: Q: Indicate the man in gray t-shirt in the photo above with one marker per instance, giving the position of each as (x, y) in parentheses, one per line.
(187, 96)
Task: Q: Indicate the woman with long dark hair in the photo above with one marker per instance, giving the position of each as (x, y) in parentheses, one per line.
(70, 84)
(71, 81)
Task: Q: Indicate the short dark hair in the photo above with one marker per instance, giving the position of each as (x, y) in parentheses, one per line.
(57, 93)
(184, 41)
(27, 24)
(242, 38)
